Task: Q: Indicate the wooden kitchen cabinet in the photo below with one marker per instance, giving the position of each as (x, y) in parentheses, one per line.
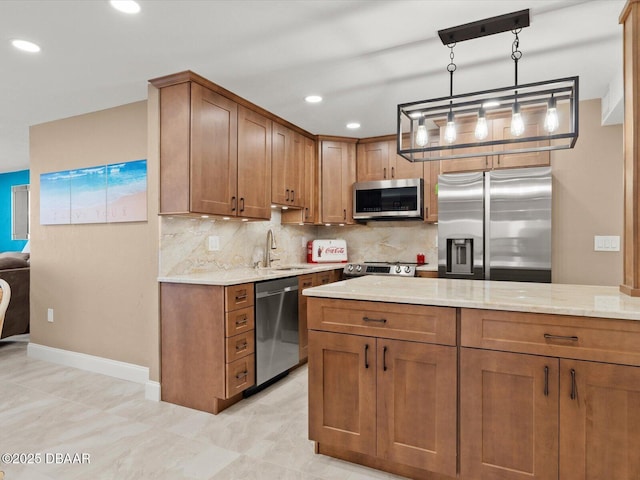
(533, 126)
(287, 168)
(207, 344)
(338, 171)
(379, 161)
(600, 425)
(431, 172)
(499, 128)
(508, 416)
(307, 281)
(388, 402)
(548, 396)
(215, 155)
(308, 214)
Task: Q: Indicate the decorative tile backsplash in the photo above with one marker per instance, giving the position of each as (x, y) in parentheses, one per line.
(184, 242)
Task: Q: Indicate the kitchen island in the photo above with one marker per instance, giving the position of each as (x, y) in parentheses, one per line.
(442, 379)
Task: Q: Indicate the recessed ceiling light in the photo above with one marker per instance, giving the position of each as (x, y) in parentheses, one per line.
(125, 6)
(313, 99)
(353, 125)
(26, 46)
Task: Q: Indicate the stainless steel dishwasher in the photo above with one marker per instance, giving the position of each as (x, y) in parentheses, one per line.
(276, 328)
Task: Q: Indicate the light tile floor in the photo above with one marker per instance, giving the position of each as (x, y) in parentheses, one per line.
(48, 408)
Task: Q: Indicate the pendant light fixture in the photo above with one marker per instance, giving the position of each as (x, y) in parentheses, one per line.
(531, 117)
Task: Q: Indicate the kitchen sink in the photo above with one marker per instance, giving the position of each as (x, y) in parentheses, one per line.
(285, 269)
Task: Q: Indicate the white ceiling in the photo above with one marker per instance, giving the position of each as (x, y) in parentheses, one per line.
(363, 57)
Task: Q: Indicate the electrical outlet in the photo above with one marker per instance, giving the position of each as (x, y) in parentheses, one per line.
(214, 243)
(50, 315)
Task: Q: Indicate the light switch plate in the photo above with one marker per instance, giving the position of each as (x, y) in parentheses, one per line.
(606, 243)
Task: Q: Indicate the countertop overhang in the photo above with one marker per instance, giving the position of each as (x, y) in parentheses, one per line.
(236, 276)
(553, 298)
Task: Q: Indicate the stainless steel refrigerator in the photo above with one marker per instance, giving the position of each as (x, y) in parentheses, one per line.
(495, 225)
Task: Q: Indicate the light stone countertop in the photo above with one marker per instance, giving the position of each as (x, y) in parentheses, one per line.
(555, 298)
(236, 276)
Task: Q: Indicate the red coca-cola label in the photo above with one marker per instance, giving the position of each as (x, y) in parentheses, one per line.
(334, 250)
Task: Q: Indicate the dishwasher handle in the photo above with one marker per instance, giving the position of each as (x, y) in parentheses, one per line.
(277, 292)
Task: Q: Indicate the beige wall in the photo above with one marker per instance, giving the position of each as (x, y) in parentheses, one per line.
(588, 201)
(100, 279)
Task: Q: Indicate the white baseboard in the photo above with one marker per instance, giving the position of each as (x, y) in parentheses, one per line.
(152, 390)
(91, 363)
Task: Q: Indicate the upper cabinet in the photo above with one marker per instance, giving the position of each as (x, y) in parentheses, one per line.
(499, 128)
(287, 168)
(338, 173)
(378, 160)
(215, 155)
(308, 214)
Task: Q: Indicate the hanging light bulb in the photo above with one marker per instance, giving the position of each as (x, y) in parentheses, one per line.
(422, 136)
(482, 129)
(517, 124)
(450, 130)
(551, 122)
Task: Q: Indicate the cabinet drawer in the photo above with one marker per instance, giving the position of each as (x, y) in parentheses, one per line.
(239, 296)
(583, 338)
(323, 278)
(239, 321)
(389, 320)
(240, 346)
(241, 375)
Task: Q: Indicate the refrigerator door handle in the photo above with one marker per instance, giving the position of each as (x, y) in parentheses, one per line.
(487, 226)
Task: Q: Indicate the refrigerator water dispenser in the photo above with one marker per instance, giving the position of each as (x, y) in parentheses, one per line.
(460, 256)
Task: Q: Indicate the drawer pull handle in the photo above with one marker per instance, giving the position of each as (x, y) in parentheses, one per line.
(233, 204)
(242, 375)
(376, 320)
(573, 384)
(241, 297)
(293, 195)
(287, 198)
(571, 338)
(366, 356)
(546, 381)
(384, 359)
(243, 321)
(241, 347)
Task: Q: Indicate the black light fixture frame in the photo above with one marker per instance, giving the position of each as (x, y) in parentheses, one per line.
(563, 90)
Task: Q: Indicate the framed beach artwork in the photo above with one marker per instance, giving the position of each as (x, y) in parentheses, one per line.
(107, 193)
(127, 191)
(55, 198)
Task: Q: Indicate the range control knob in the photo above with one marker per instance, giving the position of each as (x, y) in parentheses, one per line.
(359, 268)
(407, 269)
(350, 267)
(398, 269)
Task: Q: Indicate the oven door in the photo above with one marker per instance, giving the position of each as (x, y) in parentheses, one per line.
(388, 199)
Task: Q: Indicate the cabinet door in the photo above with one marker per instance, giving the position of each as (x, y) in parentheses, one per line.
(295, 170)
(401, 167)
(338, 176)
(508, 416)
(417, 391)
(533, 121)
(431, 172)
(281, 151)
(214, 152)
(600, 422)
(254, 164)
(342, 391)
(372, 162)
(465, 133)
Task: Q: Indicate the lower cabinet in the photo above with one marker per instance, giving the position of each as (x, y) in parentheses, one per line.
(536, 417)
(307, 281)
(392, 400)
(207, 344)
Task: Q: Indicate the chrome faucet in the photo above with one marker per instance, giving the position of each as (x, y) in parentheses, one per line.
(271, 245)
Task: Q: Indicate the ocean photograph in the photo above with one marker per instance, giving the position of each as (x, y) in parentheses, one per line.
(88, 195)
(55, 198)
(127, 191)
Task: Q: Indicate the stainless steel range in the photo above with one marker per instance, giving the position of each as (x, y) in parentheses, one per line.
(380, 268)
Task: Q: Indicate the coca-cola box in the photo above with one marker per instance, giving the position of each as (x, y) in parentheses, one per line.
(327, 251)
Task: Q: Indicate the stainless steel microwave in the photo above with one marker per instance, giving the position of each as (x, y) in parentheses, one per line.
(388, 199)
